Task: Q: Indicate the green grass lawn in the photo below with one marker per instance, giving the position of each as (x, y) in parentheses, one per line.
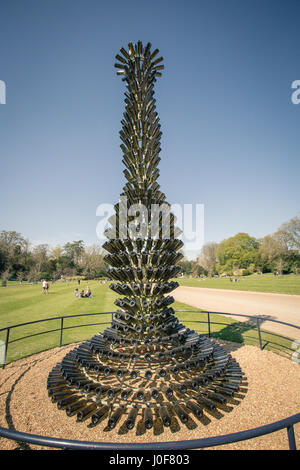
(26, 303)
(286, 284)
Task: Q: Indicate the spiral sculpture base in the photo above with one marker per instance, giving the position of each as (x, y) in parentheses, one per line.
(178, 374)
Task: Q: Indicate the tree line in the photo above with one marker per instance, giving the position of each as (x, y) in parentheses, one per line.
(242, 254)
(23, 261)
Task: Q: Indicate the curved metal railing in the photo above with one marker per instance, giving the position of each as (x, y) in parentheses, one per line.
(215, 441)
(258, 320)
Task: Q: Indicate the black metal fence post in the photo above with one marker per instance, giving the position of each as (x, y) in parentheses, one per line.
(259, 333)
(61, 330)
(291, 437)
(6, 347)
(208, 323)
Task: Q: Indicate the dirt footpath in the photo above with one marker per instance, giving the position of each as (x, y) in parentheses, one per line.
(282, 307)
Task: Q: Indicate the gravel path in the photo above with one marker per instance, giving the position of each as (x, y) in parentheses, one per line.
(271, 386)
(282, 307)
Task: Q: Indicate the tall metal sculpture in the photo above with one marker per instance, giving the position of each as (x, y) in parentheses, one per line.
(146, 364)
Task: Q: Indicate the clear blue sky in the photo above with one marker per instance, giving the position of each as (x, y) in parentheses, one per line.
(230, 131)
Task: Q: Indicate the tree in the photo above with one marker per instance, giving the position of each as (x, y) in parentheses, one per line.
(55, 252)
(270, 249)
(64, 262)
(33, 274)
(40, 257)
(74, 250)
(186, 266)
(20, 276)
(208, 257)
(288, 234)
(14, 252)
(5, 275)
(280, 252)
(3, 260)
(92, 261)
(199, 270)
(280, 265)
(237, 252)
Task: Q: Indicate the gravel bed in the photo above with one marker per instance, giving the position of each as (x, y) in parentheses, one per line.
(271, 386)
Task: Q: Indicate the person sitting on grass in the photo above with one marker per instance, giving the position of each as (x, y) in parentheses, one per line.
(88, 292)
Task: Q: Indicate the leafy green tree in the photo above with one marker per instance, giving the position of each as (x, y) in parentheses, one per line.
(74, 251)
(55, 252)
(199, 270)
(237, 252)
(186, 266)
(15, 254)
(287, 262)
(271, 251)
(64, 262)
(2, 260)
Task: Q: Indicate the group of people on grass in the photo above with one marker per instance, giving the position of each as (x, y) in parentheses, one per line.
(83, 294)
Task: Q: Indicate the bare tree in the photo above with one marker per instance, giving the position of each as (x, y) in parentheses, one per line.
(20, 276)
(92, 260)
(289, 234)
(271, 247)
(56, 252)
(34, 274)
(208, 257)
(5, 275)
(40, 255)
